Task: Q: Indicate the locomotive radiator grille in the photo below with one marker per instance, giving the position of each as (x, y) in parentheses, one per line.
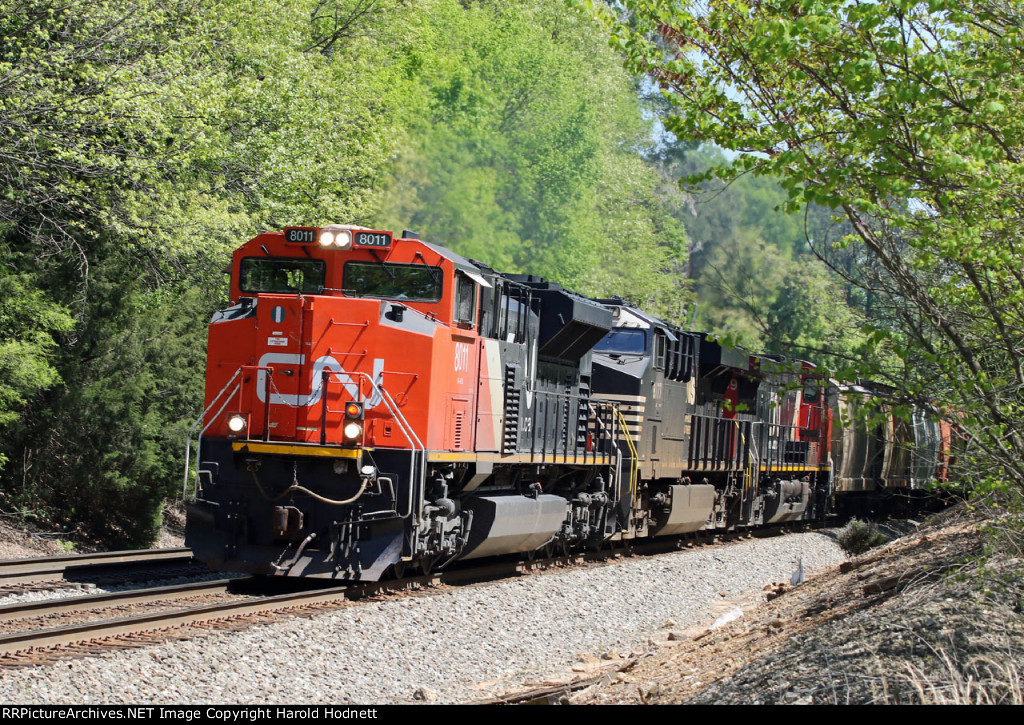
(510, 440)
(582, 417)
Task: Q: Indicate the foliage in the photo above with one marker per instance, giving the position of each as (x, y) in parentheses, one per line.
(907, 119)
(522, 152)
(29, 324)
(142, 142)
(756, 283)
(74, 124)
(857, 537)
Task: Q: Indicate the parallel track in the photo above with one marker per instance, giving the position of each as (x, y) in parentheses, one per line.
(22, 648)
(79, 567)
(67, 605)
(46, 645)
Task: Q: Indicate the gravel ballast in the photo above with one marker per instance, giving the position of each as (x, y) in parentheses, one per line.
(458, 644)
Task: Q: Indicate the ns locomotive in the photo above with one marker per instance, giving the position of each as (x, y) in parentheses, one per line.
(378, 403)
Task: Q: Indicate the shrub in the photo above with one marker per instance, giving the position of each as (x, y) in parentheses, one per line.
(857, 537)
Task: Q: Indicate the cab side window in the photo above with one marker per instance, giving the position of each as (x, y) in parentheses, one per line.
(465, 300)
(659, 350)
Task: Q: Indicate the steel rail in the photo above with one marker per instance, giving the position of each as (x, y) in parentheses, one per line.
(75, 633)
(66, 605)
(19, 644)
(23, 642)
(50, 568)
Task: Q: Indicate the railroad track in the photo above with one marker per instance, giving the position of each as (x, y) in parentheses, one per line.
(34, 645)
(88, 567)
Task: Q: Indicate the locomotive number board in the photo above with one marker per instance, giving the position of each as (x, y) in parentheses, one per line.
(372, 239)
(300, 235)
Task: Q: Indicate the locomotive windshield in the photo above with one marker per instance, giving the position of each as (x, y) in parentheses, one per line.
(393, 281)
(623, 341)
(282, 276)
(812, 388)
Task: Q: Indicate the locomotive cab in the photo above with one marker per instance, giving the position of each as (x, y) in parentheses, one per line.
(316, 324)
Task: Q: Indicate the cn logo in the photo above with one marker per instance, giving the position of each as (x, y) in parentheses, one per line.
(321, 364)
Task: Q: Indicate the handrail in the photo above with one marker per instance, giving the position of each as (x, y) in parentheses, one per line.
(197, 421)
(753, 456)
(600, 427)
(410, 433)
(632, 449)
(384, 395)
(770, 445)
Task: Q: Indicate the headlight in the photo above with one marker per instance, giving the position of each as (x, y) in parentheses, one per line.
(335, 238)
(236, 423)
(352, 431)
(343, 240)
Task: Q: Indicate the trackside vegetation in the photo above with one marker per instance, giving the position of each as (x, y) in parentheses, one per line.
(142, 141)
(906, 119)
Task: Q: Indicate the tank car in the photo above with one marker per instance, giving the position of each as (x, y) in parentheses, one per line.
(376, 402)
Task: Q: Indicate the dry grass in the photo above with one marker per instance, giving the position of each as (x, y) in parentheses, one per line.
(957, 639)
(986, 680)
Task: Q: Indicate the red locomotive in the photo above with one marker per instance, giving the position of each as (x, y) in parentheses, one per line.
(377, 402)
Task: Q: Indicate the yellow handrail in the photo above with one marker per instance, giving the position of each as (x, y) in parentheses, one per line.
(632, 449)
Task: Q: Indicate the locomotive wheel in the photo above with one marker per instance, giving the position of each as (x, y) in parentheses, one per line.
(599, 545)
(427, 564)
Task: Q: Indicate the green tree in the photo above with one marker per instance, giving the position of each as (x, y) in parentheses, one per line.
(142, 143)
(905, 117)
(30, 325)
(755, 279)
(524, 151)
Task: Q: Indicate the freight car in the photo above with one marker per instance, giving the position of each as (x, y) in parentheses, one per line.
(886, 461)
(378, 403)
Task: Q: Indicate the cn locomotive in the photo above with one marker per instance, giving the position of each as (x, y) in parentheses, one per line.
(377, 404)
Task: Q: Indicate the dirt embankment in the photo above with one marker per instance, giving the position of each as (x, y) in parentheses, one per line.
(919, 620)
(19, 542)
